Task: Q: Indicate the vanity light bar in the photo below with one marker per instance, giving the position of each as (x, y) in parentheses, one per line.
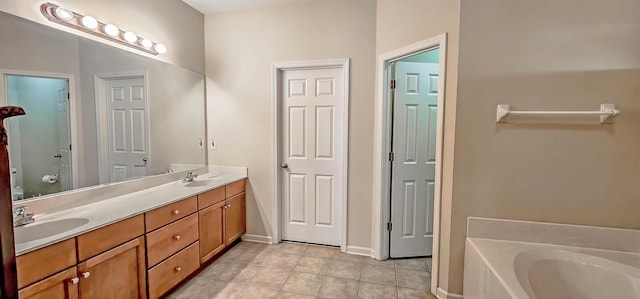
(92, 26)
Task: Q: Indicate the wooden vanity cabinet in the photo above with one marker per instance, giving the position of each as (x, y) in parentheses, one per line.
(63, 285)
(222, 218)
(117, 273)
(44, 262)
(235, 224)
(143, 255)
(212, 230)
(172, 245)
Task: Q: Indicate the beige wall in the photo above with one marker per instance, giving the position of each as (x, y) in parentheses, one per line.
(548, 54)
(240, 47)
(404, 22)
(171, 22)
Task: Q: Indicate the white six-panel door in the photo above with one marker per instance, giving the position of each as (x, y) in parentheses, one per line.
(413, 168)
(312, 160)
(127, 123)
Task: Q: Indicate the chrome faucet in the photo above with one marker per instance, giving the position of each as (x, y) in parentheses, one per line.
(189, 178)
(21, 216)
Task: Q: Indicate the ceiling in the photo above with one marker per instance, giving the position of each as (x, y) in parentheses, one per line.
(213, 6)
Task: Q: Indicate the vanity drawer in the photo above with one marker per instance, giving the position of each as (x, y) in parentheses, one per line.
(103, 239)
(170, 272)
(169, 239)
(235, 188)
(41, 263)
(167, 214)
(211, 197)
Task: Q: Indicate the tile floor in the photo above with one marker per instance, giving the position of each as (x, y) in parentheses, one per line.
(291, 270)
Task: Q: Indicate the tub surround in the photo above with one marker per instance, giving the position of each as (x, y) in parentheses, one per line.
(501, 257)
(104, 211)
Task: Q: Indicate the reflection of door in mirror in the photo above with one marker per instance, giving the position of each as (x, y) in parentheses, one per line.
(127, 128)
(41, 141)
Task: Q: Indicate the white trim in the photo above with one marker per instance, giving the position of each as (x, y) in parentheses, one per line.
(276, 69)
(442, 294)
(359, 250)
(99, 81)
(382, 145)
(257, 238)
(74, 110)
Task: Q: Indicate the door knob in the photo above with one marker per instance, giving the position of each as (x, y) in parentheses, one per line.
(284, 165)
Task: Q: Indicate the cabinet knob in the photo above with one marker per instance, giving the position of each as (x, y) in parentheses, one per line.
(226, 207)
(178, 269)
(176, 212)
(75, 280)
(177, 237)
(86, 274)
(229, 206)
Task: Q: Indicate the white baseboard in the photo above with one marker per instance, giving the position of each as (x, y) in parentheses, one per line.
(257, 238)
(358, 250)
(442, 294)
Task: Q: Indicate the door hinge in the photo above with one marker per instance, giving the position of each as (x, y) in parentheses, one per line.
(392, 84)
(389, 226)
(391, 157)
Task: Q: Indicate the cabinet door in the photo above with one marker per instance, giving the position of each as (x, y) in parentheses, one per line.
(119, 273)
(63, 285)
(235, 218)
(211, 222)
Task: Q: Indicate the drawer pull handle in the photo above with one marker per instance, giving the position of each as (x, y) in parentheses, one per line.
(177, 237)
(176, 212)
(178, 269)
(75, 280)
(86, 274)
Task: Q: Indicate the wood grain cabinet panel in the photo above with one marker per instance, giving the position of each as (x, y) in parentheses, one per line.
(44, 262)
(169, 239)
(63, 285)
(118, 273)
(235, 188)
(169, 213)
(211, 197)
(100, 240)
(235, 224)
(173, 270)
(211, 221)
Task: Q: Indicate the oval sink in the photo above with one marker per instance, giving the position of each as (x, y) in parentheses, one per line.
(44, 229)
(199, 183)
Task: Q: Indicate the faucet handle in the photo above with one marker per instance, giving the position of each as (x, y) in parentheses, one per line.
(20, 210)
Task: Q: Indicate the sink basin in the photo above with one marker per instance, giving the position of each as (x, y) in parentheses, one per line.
(199, 183)
(44, 229)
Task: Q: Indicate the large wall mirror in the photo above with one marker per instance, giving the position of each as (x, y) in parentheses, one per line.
(95, 114)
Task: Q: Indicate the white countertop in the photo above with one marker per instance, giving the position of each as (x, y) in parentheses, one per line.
(105, 212)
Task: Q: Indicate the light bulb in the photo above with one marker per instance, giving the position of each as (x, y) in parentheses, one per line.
(146, 43)
(89, 22)
(111, 30)
(130, 37)
(63, 13)
(160, 48)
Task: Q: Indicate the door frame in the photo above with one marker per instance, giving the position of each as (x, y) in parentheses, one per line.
(382, 146)
(73, 110)
(276, 70)
(102, 123)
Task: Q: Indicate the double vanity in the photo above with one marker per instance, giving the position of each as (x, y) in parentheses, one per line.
(139, 245)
